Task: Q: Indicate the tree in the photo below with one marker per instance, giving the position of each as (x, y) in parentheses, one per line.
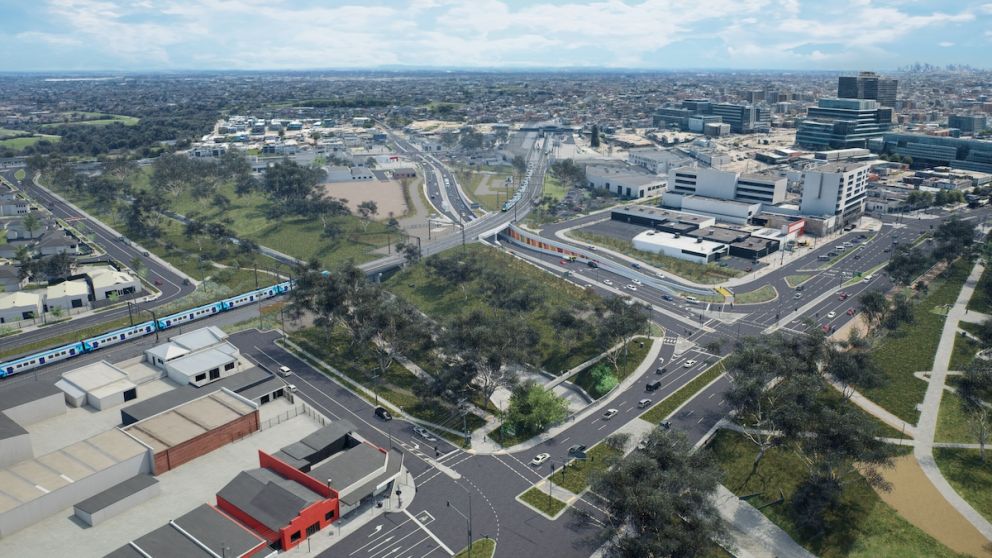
(975, 393)
(533, 409)
(398, 329)
(854, 366)
(366, 210)
(138, 266)
(292, 187)
(519, 165)
(659, 500)
(31, 223)
(875, 307)
(410, 251)
(907, 264)
(58, 266)
(370, 162)
(493, 341)
(618, 320)
(594, 136)
(221, 202)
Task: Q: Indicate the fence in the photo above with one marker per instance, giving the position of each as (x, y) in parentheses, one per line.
(299, 409)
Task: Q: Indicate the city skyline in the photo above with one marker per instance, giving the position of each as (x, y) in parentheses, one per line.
(111, 35)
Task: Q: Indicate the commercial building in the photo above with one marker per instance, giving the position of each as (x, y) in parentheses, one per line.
(679, 246)
(837, 189)
(656, 161)
(195, 428)
(743, 119)
(624, 182)
(100, 385)
(107, 282)
(116, 499)
(696, 114)
(727, 185)
(931, 151)
(868, 85)
(727, 211)
(18, 306)
(968, 123)
(23, 405)
(843, 123)
(204, 532)
(198, 357)
(661, 219)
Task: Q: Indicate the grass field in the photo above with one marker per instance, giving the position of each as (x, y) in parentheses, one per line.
(796, 280)
(763, 294)
(911, 347)
(553, 188)
(952, 422)
(539, 498)
(481, 548)
(970, 477)
(699, 273)
(94, 119)
(863, 526)
(577, 475)
(20, 143)
(20, 174)
(981, 301)
(667, 406)
(965, 349)
(442, 300)
(637, 351)
(6, 133)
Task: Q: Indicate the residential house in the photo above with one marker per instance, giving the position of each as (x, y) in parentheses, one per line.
(55, 241)
(67, 295)
(10, 280)
(106, 282)
(18, 306)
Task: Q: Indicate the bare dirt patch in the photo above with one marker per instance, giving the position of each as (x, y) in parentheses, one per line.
(919, 502)
(387, 194)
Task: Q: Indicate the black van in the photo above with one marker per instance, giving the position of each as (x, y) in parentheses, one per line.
(653, 386)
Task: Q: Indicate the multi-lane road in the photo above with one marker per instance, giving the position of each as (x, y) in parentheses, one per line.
(167, 280)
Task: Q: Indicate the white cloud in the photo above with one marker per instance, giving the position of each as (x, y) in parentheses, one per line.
(945, 44)
(48, 38)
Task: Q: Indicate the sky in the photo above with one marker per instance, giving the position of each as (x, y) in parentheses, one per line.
(151, 35)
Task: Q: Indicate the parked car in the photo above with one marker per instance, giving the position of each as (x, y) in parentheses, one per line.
(643, 403)
(423, 433)
(610, 413)
(383, 414)
(539, 459)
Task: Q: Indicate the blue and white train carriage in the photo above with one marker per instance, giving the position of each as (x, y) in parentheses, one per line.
(119, 336)
(40, 359)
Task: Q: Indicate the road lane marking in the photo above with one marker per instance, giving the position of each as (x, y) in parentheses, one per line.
(432, 535)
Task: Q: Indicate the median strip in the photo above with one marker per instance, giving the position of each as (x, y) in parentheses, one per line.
(667, 406)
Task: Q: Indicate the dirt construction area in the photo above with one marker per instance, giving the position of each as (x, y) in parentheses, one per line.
(916, 500)
(387, 195)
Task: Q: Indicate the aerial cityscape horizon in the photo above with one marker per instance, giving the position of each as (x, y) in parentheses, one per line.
(495, 279)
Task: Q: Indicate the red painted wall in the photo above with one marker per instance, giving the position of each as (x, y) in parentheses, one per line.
(236, 513)
(287, 471)
(308, 516)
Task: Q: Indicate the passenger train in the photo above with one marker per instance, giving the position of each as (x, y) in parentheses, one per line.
(71, 350)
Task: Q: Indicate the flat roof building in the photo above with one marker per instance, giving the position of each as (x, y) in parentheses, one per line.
(837, 189)
(843, 123)
(624, 182)
(204, 532)
(678, 246)
(101, 385)
(727, 185)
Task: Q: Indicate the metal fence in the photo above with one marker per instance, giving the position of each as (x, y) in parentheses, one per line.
(299, 409)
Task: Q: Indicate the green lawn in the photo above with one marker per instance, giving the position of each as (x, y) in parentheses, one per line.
(864, 526)
(664, 408)
(17, 144)
(586, 379)
(539, 498)
(20, 174)
(557, 349)
(952, 422)
(796, 280)
(699, 273)
(481, 548)
(575, 477)
(757, 296)
(95, 119)
(981, 301)
(911, 347)
(970, 477)
(965, 349)
(6, 132)
(553, 188)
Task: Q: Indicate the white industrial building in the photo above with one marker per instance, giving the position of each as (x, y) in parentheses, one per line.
(108, 282)
(679, 246)
(726, 211)
(656, 161)
(67, 295)
(835, 189)
(18, 306)
(22, 405)
(100, 385)
(197, 358)
(624, 182)
(727, 185)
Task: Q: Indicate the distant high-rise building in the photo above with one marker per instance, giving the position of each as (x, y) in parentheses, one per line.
(843, 124)
(968, 123)
(868, 85)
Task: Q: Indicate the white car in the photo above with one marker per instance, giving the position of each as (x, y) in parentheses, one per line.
(607, 282)
(423, 433)
(868, 278)
(643, 403)
(831, 314)
(610, 413)
(689, 363)
(539, 459)
(285, 371)
(636, 282)
(631, 288)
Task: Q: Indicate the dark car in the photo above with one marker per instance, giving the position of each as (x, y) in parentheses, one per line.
(661, 370)
(577, 449)
(382, 413)
(667, 297)
(653, 386)
(635, 265)
(592, 264)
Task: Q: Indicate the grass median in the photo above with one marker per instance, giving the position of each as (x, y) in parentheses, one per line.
(667, 406)
(576, 476)
(544, 502)
(763, 294)
(480, 548)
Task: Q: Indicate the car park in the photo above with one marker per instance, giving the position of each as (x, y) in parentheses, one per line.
(610, 413)
(539, 459)
(689, 363)
(643, 403)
